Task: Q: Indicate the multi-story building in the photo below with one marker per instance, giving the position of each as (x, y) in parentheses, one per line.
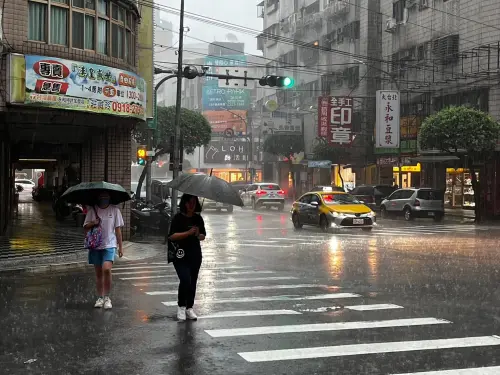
(70, 92)
(331, 48)
(441, 53)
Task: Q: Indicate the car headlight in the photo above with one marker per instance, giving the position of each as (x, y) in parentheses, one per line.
(334, 214)
(371, 214)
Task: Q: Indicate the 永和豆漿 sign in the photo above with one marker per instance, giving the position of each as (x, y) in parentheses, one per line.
(58, 83)
(387, 128)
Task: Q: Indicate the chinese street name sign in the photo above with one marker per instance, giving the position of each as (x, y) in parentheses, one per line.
(335, 120)
(72, 85)
(387, 130)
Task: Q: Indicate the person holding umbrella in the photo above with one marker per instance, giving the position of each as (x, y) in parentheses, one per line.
(110, 219)
(187, 230)
(101, 198)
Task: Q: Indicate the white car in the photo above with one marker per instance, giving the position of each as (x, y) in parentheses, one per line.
(27, 185)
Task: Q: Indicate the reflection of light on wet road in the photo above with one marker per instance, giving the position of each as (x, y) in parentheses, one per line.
(373, 259)
(335, 259)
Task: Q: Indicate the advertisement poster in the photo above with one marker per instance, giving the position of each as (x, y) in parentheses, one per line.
(216, 98)
(335, 120)
(387, 129)
(227, 152)
(71, 85)
(223, 120)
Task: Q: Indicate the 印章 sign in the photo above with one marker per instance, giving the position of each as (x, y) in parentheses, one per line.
(335, 119)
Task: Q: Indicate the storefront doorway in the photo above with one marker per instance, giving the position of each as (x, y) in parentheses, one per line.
(459, 191)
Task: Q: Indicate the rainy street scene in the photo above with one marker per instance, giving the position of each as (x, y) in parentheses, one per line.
(269, 187)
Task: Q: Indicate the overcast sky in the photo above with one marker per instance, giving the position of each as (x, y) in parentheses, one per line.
(239, 12)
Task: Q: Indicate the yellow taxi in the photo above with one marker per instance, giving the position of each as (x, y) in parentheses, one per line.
(331, 210)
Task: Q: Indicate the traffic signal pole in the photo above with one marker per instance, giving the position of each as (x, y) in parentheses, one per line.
(177, 128)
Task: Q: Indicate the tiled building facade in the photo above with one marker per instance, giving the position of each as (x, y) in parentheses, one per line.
(100, 32)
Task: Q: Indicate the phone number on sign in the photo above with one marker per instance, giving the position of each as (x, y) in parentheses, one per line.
(128, 108)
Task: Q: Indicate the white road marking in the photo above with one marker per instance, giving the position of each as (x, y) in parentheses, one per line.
(243, 288)
(175, 276)
(275, 298)
(163, 270)
(375, 348)
(466, 371)
(255, 245)
(228, 280)
(229, 314)
(139, 267)
(323, 327)
(380, 306)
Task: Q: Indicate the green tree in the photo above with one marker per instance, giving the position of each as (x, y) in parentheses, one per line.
(285, 146)
(464, 132)
(195, 132)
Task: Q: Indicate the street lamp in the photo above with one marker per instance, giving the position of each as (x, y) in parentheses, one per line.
(396, 83)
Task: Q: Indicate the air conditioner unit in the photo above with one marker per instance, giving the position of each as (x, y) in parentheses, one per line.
(390, 25)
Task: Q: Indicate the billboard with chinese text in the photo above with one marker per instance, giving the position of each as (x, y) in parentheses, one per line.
(58, 83)
(215, 98)
(223, 120)
(225, 151)
(335, 120)
(387, 129)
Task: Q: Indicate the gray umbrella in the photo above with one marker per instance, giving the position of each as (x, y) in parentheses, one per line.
(205, 186)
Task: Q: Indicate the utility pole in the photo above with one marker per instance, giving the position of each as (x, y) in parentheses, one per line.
(177, 133)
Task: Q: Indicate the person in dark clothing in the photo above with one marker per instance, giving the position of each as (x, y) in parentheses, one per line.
(187, 230)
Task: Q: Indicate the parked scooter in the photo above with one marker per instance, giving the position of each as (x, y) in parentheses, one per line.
(146, 218)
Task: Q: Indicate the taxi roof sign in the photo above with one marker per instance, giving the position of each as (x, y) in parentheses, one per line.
(327, 188)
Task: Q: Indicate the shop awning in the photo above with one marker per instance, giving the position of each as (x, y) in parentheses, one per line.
(434, 158)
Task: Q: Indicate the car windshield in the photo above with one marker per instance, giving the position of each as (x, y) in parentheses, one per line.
(340, 199)
(270, 187)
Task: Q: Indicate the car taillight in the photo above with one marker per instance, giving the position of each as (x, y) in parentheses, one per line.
(281, 192)
(417, 203)
(261, 192)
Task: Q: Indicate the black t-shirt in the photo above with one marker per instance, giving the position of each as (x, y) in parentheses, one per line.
(191, 245)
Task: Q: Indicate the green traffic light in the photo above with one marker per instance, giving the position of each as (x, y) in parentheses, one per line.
(288, 82)
(141, 162)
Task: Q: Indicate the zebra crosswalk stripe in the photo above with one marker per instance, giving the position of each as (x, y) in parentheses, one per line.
(228, 280)
(323, 327)
(374, 348)
(494, 370)
(255, 287)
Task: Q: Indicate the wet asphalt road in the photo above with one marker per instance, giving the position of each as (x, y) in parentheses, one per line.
(406, 298)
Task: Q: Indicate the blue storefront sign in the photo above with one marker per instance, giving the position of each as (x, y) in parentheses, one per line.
(319, 164)
(215, 98)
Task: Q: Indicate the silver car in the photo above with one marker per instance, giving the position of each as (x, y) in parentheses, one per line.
(210, 204)
(264, 195)
(413, 203)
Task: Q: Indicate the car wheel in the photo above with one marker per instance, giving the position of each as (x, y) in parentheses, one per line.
(230, 209)
(383, 213)
(296, 221)
(407, 213)
(438, 218)
(324, 224)
(367, 229)
(281, 207)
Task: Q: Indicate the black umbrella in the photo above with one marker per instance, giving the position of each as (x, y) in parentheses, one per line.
(87, 193)
(205, 186)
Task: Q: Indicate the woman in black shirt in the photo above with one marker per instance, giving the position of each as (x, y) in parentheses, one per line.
(187, 230)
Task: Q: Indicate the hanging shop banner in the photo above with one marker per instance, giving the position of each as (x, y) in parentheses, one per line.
(335, 120)
(51, 82)
(215, 98)
(387, 129)
(220, 121)
(319, 164)
(227, 152)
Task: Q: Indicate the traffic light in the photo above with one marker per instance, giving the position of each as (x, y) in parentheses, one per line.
(278, 81)
(141, 155)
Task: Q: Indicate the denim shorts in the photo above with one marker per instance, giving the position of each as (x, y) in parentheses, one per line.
(98, 257)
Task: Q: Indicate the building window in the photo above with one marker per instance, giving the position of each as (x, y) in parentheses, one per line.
(99, 25)
(37, 22)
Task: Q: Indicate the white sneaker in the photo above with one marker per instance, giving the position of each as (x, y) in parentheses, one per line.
(181, 314)
(191, 314)
(107, 303)
(99, 303)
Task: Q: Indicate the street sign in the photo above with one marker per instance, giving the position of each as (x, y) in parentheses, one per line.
(150, 153)
(241, 83)
(229, 133)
